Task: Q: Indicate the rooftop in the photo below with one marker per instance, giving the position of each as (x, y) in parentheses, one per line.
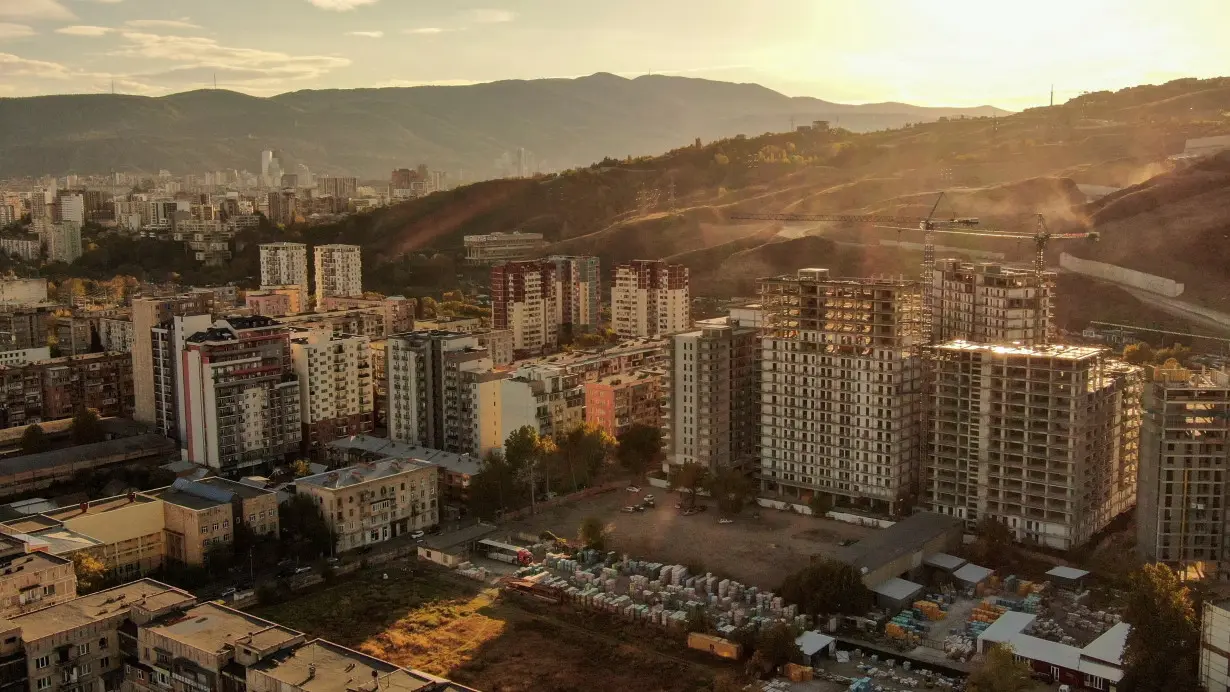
(363, 473)
(29, 561)
(321, 666)
(384, 449)
(905, 536)
(898, 589)
(461, 537)
(1108, 648)
(92, 507)
(243, 490)
(1070, 573)
(1061, 351)
(81, 611)
(212, 627)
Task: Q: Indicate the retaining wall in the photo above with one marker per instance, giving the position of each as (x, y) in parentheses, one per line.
(1122, 275)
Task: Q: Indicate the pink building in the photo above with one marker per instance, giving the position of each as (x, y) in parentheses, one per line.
(268, 304)
(614, 403)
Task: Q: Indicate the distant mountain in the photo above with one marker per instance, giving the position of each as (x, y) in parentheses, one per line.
(367, 132)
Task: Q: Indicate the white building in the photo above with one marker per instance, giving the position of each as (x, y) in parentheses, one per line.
(336, 392)
(1215, 646)
(494, 248)
(72, 209)
(168, 341)
(27, 249)
(841, 389)
(285, 265)
(372, 502)
(115, 334)
(650, 298)
(21, 356)
(1043, 438)
(63, 241)
(989, 303)
(430, 378)
(339, 272)
(525, 299)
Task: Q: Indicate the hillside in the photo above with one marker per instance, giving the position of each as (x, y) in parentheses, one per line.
(367, 132)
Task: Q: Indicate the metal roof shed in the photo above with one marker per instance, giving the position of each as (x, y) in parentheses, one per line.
(1007, 626)
(814, 644)
(896, 592)
(1108, 648)
(972, 574)
(1070, 577)
(944, 561)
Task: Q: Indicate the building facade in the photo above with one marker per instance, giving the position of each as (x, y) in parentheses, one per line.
(841, 390)
(242, 395)
(499, 344)
(336, 389)
(59, 387)
(285, 265)
(430, 398)
(618, 402)
(372, 502)
(1215, 646)
(1184, 462)
(990, 303)
(580, 291)
(494, 248)
(525, 299)
(170, 398)
(148, 313)
(650, 298)
(339, 272)
(1043, 438)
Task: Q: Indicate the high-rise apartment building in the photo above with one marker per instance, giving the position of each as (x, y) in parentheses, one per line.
(57, 388)
(25, 326)
(148, 313)
(69, 207)
(336, 393)
(1043, 438)
(339, 272)
(713, 407)
(284, 266)
(429, 384)
(525, 300)
(1184, 479)
(650, 298)
(841, 389)
(340, 188)
(242, 397)
(168, 342)
(580, 291)
(989, 303)
(62, 240)
(282, 207)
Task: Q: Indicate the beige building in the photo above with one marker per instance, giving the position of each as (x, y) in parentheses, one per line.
(284, 268)
(499, 344)
(148, 313)
(202, 515)
(124, 532)
(336, 389)
(1044, 438)
(30, 580)
(339, 272)
(989, 303)
(650, 298)
(372, 502)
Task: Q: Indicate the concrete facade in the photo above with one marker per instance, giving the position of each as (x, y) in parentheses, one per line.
(650, 298)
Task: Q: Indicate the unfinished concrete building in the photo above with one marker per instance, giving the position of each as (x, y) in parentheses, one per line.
(989, 303)
(1180, 515)
(841, 389)
(1044, 438)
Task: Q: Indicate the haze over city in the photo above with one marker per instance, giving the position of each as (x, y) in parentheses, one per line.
(951, 53)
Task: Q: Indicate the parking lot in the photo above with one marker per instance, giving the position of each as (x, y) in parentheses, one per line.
(758, 551)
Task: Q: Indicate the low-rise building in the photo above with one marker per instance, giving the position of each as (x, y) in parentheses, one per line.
(372, 502)
(494, 248)
(617, 402)
(30, 579)
(57, 388)
(456, 469)
(499, 344)
(200, 516)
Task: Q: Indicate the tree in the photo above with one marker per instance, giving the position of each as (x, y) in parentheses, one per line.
(34, 440)
(827, 587)
(1163, 646)
(1138, 353)
(301, 468)
(594, 533)
(820, 504)
(1178, 353)
(995, 544)
(581, 452)
(497, 486)
(688, 477)
(775, 648)
(305, 532)
(91, 572)
(86, 427)
(730, 489)
(427, 307)
(639, 448)
(1000, 672)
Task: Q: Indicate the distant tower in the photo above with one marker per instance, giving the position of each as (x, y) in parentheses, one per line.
(266, 162)
(1052, 94)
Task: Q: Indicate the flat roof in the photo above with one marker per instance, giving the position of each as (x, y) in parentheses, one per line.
(1054, 653)
(1008, 625)
(363, 473)
(972, 574)
(1070, 573)
(448, 541)
(811, 642)
(897, 589)
(1108, 648)
(902, 538)
(181, 498)
(322, 666)
(212, 627)
(61, 540)
(98, 606)
(944, 561)
(1065, 352)
(106, 504)
(1100, 670)
(148, 444)
(25, 561)
(451, 461)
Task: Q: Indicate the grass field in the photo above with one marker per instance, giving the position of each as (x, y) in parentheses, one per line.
(432, 621)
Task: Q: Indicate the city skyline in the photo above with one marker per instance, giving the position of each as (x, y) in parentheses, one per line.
(888, 50)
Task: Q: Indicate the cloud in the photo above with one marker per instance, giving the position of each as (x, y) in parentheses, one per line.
(14, 66)
(490, 16)
(426, 30)
(183, 23)
(366, 34)
(34, 9)
(15, 31)
(195, 60)
(84, 30)
(341, 5)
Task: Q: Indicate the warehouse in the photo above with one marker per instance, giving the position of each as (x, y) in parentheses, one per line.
(900, 549)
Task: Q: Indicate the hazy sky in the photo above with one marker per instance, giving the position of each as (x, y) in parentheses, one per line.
(929, 52)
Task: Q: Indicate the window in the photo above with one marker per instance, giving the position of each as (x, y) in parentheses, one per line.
(226, 524)
(43, 683)
(215, 527)
(49, 590)
(104, 662)
(83, 648)
(204, 529)
(102, 643)
(42, 662)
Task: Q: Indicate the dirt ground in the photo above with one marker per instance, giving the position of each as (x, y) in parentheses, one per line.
(754, 551)
(423, 618)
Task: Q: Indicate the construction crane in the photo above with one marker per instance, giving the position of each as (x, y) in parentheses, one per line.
(1138, 328)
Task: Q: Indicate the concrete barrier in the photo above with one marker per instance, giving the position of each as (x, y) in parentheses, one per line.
(843, 517)
(1122, 275)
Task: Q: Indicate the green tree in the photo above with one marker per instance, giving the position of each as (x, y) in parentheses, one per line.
(1000, 672)
(689, 478)
(820, 504)
(427, 307)
(305, 533)
(581, 453)
(91, 572)
(498, 486)
(639, 449)
(995, 544)
(301, 468)
(775, 648)
(827, 587)
(86, 427)
(594, 533)
(1138, 353)
(1163, 646)
(1178, 353)
(34, 440)
(730, 489)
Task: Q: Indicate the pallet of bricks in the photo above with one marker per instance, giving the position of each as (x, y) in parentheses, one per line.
(915, 622)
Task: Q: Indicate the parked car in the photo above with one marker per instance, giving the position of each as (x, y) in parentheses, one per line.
(726, 521)
(302, 570)
(633, 489)
(649, 497)
(418, 534)
(228, 592)
(628, 510)
(639, 508)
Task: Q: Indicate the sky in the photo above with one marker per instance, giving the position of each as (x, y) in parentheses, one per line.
(926, 52)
